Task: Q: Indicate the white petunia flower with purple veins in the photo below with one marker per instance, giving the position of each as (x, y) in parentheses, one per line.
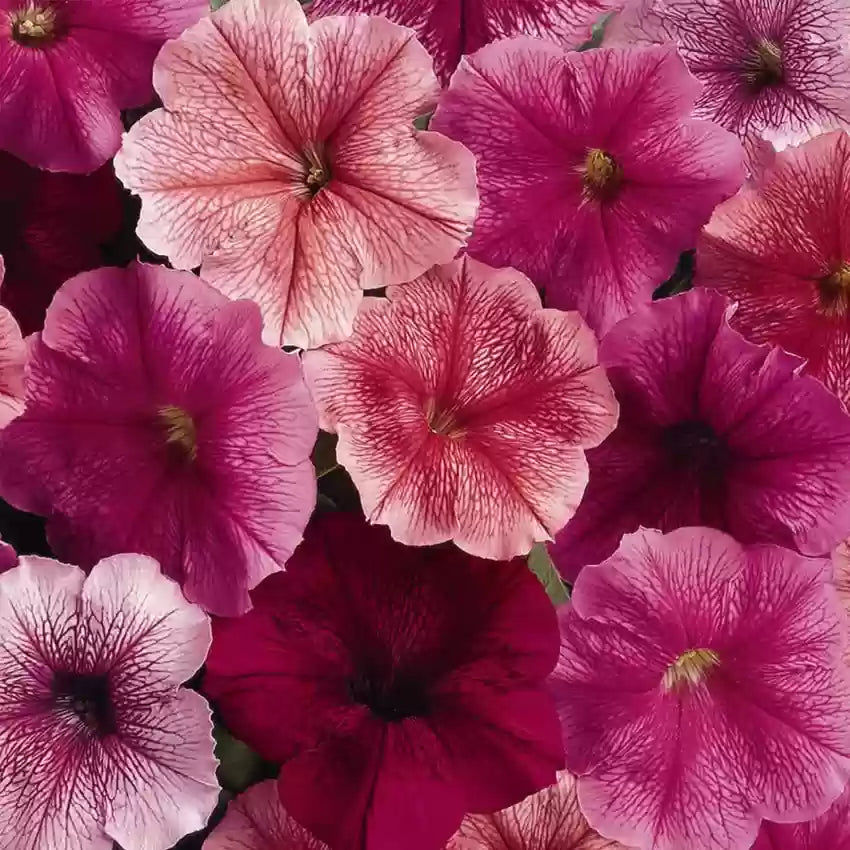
(98, 741)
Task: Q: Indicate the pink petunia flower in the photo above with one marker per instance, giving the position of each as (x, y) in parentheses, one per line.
(713, 430)
(256, 820)
(830, 831)
(13, 355)
(400, 687)
(772, 70)
(98, 741)
(593, 177)
(701, 689)
(548, 820)
(156, 421)
(68, 67)
(781, 249)
(456, 28)
(286, 160)
(463, 409)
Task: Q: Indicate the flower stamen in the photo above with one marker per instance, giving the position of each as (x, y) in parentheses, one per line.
(763, 67)
(834, 292)
(318, 171)
(442, 421)
(180, 429)
(602, 174)
(34, 26)
(689, 669)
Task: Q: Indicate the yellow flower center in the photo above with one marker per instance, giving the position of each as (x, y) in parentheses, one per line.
(763, 67)
(602, 174)
(689, 669)
(834, 292)
(179, 429)
(34, 25)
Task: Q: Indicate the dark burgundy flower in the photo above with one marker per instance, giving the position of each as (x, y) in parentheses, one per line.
(400, 687)
(51, 227)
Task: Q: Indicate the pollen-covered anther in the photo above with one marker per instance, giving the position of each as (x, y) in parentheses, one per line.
(689, 669)
(602, 174)
(442, 421)
(763, 67)
(318, 171)
(34, 25)
(834, 292)
(180, 429)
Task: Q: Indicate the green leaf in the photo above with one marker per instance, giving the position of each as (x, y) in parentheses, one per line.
(422, 122)
(541, 565)
(216, 4)
(239, 765)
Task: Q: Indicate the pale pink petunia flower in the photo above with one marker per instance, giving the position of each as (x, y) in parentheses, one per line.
(450, 29)
(830, 831)
(701, 689)
(463, 409)
(548, 820)
(256, 820)
(772, 70)
(68, 68)
(98, 741)
(593, 177)
(286, 163)
(158, 422)
(714, 430)
(781, 250)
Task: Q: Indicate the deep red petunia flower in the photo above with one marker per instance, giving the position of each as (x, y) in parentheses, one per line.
(51, 227)
(463, 409)
(450, 29)
(772, 70)
(400, 687)
(714, 430)
(781, 250)
(592, 174)
(830, 831)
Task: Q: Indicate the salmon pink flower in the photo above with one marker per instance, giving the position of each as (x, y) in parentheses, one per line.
(456, 28)
(156, 421)
(830, 831)
(286, 164)
(593, 176)
(68, 68)
(463, 409)
(399, 687)
(701, 688)
(98, 741)
(714, 430)
(781, 250)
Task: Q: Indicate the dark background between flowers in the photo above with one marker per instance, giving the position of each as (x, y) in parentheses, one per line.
(241, 767)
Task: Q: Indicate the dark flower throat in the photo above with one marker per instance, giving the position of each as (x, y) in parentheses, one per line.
(392, 700)
(89, 697)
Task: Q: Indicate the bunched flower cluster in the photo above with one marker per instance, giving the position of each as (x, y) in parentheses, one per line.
(424, 425)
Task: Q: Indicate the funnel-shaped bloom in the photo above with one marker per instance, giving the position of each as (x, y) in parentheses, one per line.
(593, 176)
(463, 409)
(13, 355)
(156, 421)
(702, 688)
(286, 162)
(830, 831)
(400, 687)
(98, 741)
(714, 430)
(781, 250)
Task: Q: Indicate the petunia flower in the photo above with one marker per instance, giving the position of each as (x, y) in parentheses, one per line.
(593, 177)
(256, 820)
(463, 409)
(98, 741)
(781, 249)
(772, 70)
(830, 831)
(701, 689)
(548, 820)
(450, 30)
(400, 687)
(51, 227)
(286, 163)
(156, 421)
(13, 355)
(714, 430)
(68, 68)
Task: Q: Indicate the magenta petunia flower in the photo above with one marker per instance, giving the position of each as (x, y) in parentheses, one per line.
(593, 177)
(256, 820)
(51, 227)
(548, 820)
(68, 67)
(98, 741)
(830, 831)
(701, 689)
(13, 355)
(713, 430)
(781, 249)
(156, 421)
(456, 28)
(400, 687)
(286, 160)
(771, 70)
(463, 409)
